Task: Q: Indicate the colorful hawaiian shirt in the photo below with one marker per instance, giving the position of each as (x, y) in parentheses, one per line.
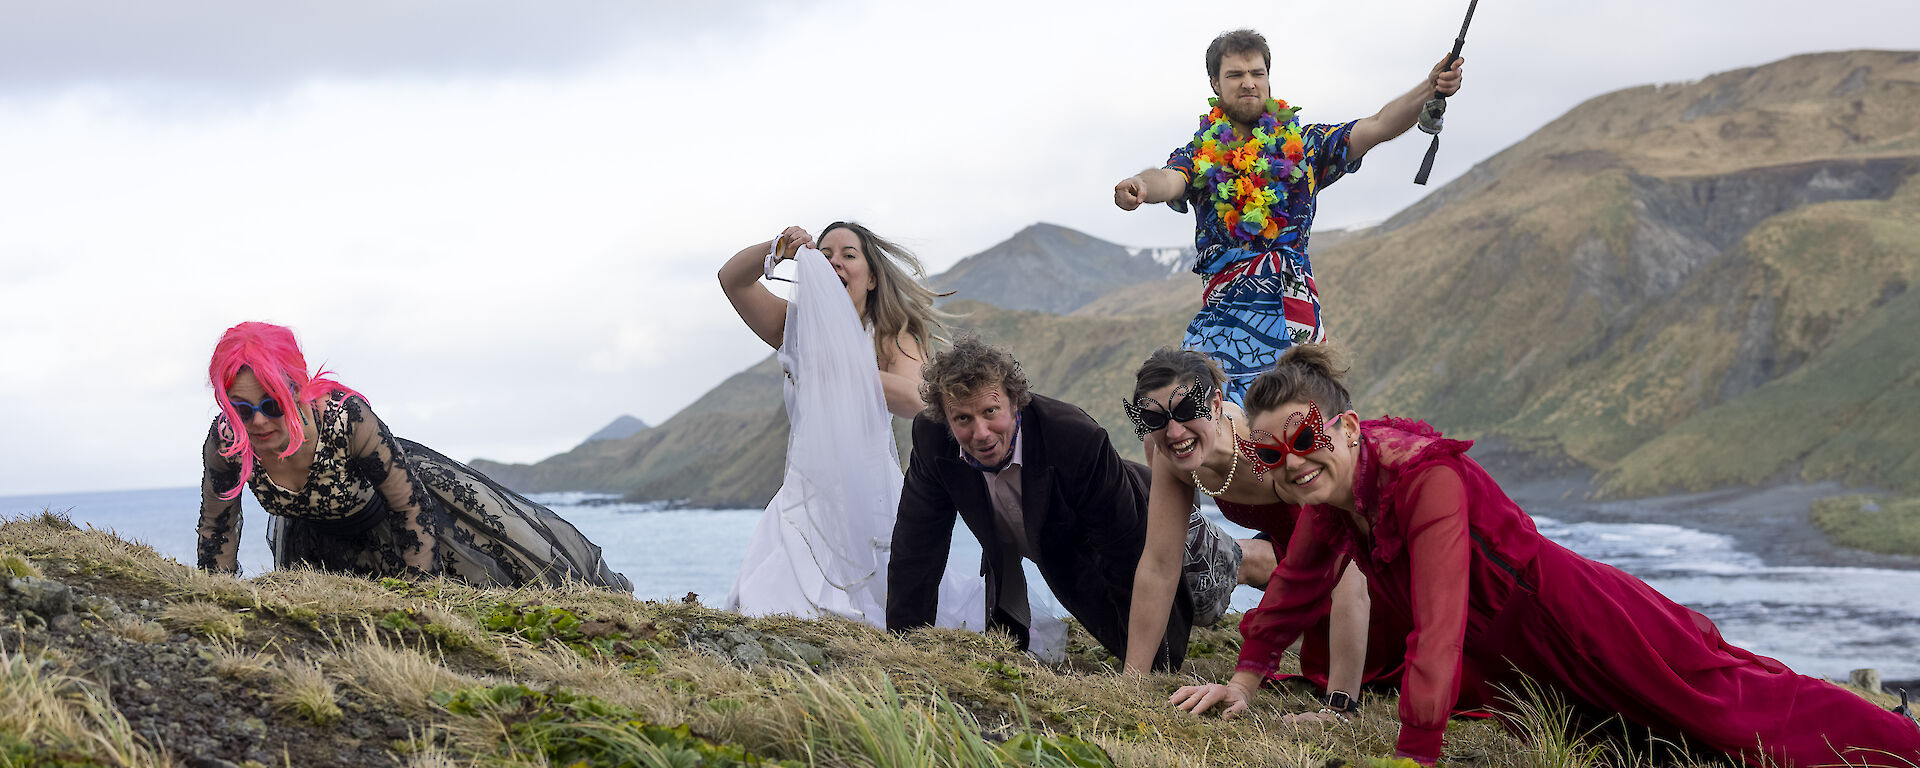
(1260, 297)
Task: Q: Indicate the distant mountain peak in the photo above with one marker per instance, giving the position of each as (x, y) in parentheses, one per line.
(619, 429)
(1050, 268)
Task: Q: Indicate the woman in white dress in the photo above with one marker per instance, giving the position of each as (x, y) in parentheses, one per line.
(850, 365)
(821, 547)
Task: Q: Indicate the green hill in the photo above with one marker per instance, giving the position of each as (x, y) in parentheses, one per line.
(1683, 286)
(1686, 286)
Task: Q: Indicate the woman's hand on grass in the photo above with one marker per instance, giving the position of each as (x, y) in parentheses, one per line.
(1200, 698)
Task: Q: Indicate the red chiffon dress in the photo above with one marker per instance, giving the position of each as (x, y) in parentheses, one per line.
(1491, 600)
(1386, 630)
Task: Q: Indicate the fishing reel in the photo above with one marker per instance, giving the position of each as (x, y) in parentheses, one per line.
(1433, 116)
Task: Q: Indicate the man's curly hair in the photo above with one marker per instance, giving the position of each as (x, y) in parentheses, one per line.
(968, 368)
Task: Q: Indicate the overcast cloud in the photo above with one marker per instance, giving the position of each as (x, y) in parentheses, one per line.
(501, 221)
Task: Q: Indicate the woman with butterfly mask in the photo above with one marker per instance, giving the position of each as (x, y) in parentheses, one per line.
(1193, 440)
(1489, 606)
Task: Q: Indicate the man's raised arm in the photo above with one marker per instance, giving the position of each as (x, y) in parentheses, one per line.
(1399, 115)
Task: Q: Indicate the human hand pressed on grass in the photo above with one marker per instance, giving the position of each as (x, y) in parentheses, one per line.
(1236, 694)
(1321, 717)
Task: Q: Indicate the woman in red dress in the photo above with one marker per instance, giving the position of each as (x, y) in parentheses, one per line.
(1492, 602)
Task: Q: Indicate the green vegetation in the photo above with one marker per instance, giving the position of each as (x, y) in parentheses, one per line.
(17, 567)
(1885, 524)
(530, 687)
(1848, 411)
(590, 637)
(567, 729)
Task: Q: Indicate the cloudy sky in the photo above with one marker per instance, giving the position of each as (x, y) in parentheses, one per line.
(501, 220)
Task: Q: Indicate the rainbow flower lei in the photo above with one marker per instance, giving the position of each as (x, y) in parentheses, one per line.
(1247, 178)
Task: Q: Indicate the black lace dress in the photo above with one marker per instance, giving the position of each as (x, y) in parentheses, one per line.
(377, 505)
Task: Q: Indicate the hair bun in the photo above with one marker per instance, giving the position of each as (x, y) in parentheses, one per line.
(1304, 372)
(1322, 359)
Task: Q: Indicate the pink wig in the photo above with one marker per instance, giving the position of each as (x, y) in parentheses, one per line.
(274, 357)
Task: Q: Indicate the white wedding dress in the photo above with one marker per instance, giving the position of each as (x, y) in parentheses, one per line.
(821, 547)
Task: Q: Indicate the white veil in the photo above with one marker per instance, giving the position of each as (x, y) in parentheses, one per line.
(840, 446)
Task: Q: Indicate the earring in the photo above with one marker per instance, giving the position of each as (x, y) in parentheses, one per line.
(1354, 444)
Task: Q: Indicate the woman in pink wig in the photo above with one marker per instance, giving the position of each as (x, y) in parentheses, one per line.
(346, 495)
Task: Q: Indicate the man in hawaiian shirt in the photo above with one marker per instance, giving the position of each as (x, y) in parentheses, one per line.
(1250, 176)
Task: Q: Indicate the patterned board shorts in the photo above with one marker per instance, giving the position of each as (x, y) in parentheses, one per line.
(1211, 569)
(1252, 311)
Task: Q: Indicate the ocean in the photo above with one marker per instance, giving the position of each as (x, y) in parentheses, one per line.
(1820, 621)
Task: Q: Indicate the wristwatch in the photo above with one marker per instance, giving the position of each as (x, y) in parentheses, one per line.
(1339, 701)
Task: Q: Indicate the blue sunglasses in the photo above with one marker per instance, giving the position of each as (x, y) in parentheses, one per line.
(268, 406)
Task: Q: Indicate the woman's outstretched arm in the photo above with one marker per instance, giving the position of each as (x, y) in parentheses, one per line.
(1156, 579)
(1347, 632)
(1439, 551)
(1296, 596)
(764, 312)
(378, 458)
(219, 529)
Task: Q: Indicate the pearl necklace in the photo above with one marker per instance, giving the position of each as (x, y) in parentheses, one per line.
(1230, 469)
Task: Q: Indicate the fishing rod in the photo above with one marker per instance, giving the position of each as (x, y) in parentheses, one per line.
(1432, 115)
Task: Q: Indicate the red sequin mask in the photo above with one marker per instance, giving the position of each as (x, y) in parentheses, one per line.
(1304, 436)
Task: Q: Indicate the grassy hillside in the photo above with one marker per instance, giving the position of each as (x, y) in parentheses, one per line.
(1654, 285)
(111, 655)
(1658, 282)
(1848, 410)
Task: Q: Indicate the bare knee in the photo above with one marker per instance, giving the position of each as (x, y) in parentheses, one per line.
(1257, 562)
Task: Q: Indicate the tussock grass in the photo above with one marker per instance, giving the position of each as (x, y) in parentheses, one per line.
(404, 676)
(428, 756)
(139, 630)
(304, 690)
(865, 720)
(51, 535)
(235, 661)
(44, 711)
(1549, 732)
(204, 619)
